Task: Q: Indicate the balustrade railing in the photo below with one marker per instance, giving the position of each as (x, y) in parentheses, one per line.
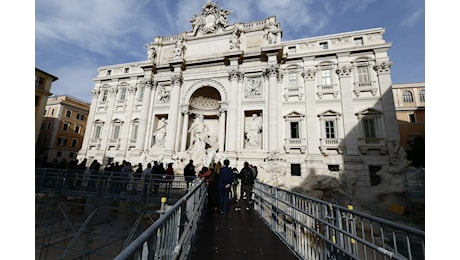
(316, 229)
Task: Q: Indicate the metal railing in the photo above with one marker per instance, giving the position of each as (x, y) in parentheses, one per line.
(173, 234)
(316, 229)
(109, 185)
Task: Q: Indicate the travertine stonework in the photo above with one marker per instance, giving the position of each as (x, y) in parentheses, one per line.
(323, 105)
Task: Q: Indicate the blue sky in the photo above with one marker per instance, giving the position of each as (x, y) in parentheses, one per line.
(73, 38)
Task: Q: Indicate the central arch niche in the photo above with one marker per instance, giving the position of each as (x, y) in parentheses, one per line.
(205, 102)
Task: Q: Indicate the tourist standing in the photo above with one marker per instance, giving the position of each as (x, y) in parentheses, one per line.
(225, 184)
(247, 177)
(189, 173)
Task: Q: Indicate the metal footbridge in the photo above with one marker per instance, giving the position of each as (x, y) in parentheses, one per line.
(80, 215)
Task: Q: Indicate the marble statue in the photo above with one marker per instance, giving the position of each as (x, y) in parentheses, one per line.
(198, 134)
(254, 131)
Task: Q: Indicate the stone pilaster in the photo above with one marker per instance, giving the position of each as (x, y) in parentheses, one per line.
(141, 142)
(350, 124)
(389, 112)
(309, 77)
(272, 72)
(234, 77)
(176, 83)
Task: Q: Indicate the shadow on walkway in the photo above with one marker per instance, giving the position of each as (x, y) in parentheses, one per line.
(238, 235)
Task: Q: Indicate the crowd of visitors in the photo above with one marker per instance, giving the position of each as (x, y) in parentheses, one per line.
(225, 184)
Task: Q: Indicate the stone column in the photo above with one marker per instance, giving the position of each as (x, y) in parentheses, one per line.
(234, 77)
(389, 111)
(176, 83)
(105, 135)
(222, 119)
(89, 122)
(309, 76)
(273, 138)
(184, 128)
(349, 121)
(140, 143)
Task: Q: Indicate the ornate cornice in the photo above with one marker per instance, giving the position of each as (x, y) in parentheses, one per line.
(271, 71)
(309, 74)
(344, 71)
(235, 75)
(177, 80)
(95, 92)
(383, 67)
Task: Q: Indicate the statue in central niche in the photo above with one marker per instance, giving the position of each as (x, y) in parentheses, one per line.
(198, 135)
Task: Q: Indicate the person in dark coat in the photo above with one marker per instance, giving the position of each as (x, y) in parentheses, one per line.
(225, 184)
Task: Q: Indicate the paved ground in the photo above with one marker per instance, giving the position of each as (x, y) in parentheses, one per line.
(238, 235)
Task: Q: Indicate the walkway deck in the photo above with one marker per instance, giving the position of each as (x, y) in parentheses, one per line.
(238, 235)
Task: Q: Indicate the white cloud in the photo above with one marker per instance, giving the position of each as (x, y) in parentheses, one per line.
(412, 19)
(96, 26)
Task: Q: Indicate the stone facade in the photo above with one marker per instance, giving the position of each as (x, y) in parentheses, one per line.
(320, 105)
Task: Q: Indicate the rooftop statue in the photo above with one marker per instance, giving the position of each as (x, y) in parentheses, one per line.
(211, 19)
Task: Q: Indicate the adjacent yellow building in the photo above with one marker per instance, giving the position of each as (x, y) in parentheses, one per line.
(409, 101)
(63, 128)
(43, 81)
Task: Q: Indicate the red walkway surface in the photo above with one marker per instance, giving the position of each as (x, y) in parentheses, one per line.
(238, 235)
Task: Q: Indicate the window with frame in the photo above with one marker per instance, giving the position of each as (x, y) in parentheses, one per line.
(135, 129)
(326, 77)
(141, 94)
(48, 125)
(68, 113)
(358, 41)
(323, 45)
(407, 97)
(295, 169)
(123, 94)
(126, 70)
(74, 142)
(116, 131)
(330, 128)
(97, 131)
(80, 116)
(77, 129)
(105, 93)
(422, 95)
(293, 80)
(295, 132)
(374, 178)
(62, 141)
(333, 167)
(58, 154)
(65, 126)
(39, 81)
(370, 129)
(363, 73)
(109, 72)
(329, 124)
(412, 118)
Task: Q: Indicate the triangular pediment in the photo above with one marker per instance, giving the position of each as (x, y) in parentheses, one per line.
(329, 113)
(294, 114)
(369, 111)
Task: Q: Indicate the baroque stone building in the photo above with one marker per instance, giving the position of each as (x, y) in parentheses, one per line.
(320, 105)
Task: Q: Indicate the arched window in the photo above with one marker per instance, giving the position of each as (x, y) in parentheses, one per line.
(407, 97)
(422, 95)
